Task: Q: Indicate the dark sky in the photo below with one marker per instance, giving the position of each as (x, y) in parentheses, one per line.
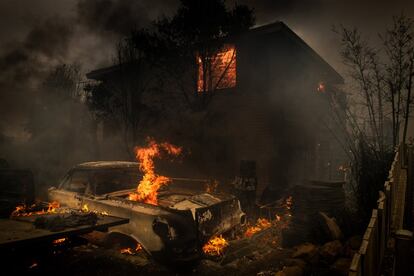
(38, 34)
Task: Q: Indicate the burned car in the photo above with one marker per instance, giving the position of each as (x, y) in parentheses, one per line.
(185, 218)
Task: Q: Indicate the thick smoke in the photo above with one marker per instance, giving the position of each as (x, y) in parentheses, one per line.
(119, 17)
(40, 36)
(25, 64)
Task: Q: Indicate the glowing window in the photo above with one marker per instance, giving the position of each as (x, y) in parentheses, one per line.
(218, 71)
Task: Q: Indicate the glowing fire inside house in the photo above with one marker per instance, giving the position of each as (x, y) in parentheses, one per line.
(215, 246)
(217, 71)
(147, 190)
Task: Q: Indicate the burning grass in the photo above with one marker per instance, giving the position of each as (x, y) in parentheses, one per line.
(215, 246)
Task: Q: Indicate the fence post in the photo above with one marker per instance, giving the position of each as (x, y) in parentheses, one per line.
(408, 210)
(403, 254)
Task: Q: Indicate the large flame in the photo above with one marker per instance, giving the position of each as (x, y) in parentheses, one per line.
(147, 190)
(215, 246)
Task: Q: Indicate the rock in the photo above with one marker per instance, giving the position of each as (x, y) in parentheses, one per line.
(305, 251)
(208, 267)
(331, 250)
(290, 271)
(355, 242)
(295, 262)
(352, 246)
(333, 228)
(341, 266)
(265, 273)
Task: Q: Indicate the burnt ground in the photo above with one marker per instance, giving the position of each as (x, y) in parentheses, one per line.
(259, 254)
(89, 259)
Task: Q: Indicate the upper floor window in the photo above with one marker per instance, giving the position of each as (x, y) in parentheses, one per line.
(217, 71)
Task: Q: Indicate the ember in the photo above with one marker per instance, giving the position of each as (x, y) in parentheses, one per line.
(131, 251)
(85, 208)
(147, 190)
(321, 87)
(24, 211)
(215, 246)
(261, 224)
(59, 241)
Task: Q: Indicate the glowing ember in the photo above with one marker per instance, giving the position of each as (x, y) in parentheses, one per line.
(289, 202)
(321, 87)
(147, 190)
(59, 241)
(85, 208)
(127, 251)
(261, 224)
(215, 246)
(131, 251)
(278, 218)
(24, 211)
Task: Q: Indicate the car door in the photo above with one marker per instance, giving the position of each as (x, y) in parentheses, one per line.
(72, 189)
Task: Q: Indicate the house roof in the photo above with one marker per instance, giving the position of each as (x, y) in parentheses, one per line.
(275, 27)
(279, 26)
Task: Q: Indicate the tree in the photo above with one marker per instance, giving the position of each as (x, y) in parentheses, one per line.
(157, 71)
(382, 83)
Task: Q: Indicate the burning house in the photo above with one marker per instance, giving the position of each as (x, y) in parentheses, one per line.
(268, 100)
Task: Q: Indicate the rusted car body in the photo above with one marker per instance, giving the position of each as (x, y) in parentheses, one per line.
(175, 229)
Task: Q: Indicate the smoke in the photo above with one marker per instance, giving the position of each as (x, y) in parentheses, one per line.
(25, 64)
(40, 36)
(119, 17)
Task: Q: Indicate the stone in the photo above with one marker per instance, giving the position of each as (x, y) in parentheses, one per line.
(341, 266)
(290, 271)
(305, 251)
(333, 228)
(295, 262)
(331, 250)
(355, 242)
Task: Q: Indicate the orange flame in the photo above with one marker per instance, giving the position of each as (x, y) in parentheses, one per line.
(147, 190)
(215, 246)
(24, 211)
(59, 241)
(261, 224)
(131, 251)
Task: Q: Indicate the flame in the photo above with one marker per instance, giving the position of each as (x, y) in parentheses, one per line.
(59, 241)
(24, 211)
(215, 246)
(261, 224)
(127, 251)
(131, 251)
(85, 208)
(147, 190)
